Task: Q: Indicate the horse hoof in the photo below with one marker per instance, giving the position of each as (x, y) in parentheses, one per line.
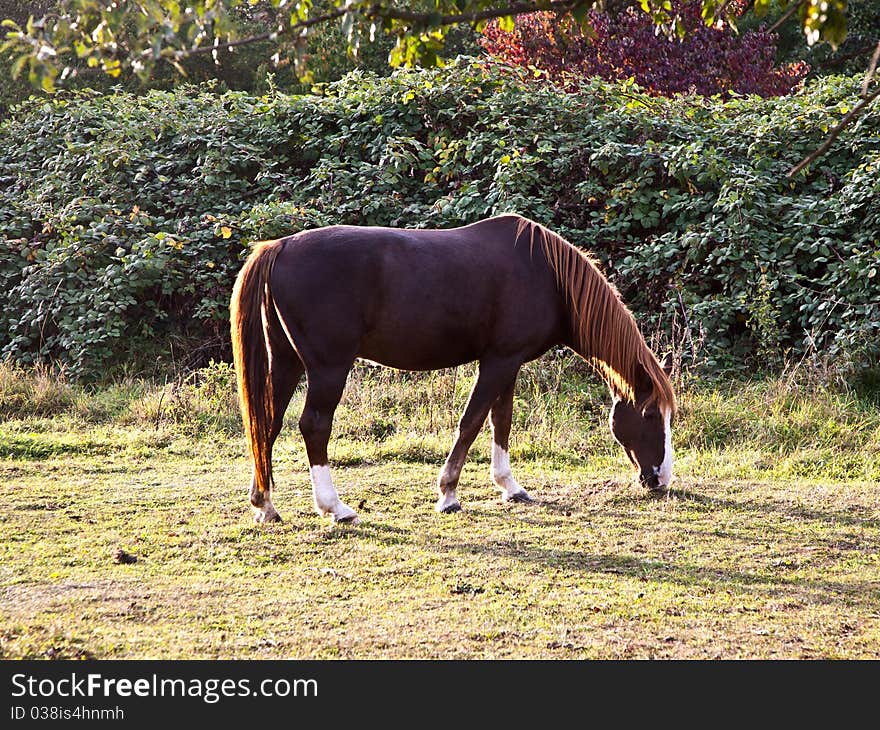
(447, 503)
(522, 497)
(343, 514)
(262, 518)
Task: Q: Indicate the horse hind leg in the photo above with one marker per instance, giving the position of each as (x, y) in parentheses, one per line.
(323, 394)
(285, 369)
(501, 416)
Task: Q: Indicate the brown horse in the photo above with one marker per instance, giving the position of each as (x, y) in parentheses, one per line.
(502, 291)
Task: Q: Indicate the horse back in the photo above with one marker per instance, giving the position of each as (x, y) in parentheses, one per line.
(416, 298)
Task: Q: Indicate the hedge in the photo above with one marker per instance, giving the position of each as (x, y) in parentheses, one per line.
(124, 218)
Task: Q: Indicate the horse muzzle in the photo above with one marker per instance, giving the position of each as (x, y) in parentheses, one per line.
(651, 480)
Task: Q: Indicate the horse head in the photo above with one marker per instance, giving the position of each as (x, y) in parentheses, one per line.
(644, 430)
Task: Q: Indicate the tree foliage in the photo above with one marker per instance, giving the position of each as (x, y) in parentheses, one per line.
(853, 55)
(248, 68)
(136, 35)
(707, 60)
(124, 219)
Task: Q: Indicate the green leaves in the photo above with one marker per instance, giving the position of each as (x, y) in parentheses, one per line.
(125, 218)
(824, 20)
(132, 37)
(760, 7)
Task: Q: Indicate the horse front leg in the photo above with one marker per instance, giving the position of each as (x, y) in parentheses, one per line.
(501, 416)
(494, 377)
(323, 394)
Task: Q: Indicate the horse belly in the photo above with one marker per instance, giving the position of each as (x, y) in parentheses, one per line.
(427, 345)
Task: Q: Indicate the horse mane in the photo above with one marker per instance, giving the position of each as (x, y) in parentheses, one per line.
(603, 329)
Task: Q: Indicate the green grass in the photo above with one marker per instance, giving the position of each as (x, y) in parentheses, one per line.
(767, 546)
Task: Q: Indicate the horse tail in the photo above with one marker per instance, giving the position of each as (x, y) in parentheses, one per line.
(251, 313)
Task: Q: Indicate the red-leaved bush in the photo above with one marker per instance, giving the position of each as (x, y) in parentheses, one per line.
(707, 61)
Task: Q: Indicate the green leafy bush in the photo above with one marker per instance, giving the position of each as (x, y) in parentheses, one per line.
(125, 218)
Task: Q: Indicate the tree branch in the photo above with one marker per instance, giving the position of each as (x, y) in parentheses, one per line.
(844, 57)
(377, 12)
(872, 67)
(832, 135)
(332, 15)
(785, 16)
(414, 17)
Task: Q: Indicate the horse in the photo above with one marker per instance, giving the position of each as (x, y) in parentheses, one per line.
(501, 291)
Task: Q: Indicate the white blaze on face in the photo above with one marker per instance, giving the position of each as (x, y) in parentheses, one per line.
(665, 473)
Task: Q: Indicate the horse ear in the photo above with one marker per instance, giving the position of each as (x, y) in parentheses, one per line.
(666, 364)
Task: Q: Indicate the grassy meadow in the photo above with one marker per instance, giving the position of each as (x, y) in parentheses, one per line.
(125, 530)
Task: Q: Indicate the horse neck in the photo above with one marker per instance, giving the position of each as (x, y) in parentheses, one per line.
(602, 329)
(617, 363)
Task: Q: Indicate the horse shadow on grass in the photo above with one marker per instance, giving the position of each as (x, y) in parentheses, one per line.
(863, 594)
(788, 510)
(380, 532)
